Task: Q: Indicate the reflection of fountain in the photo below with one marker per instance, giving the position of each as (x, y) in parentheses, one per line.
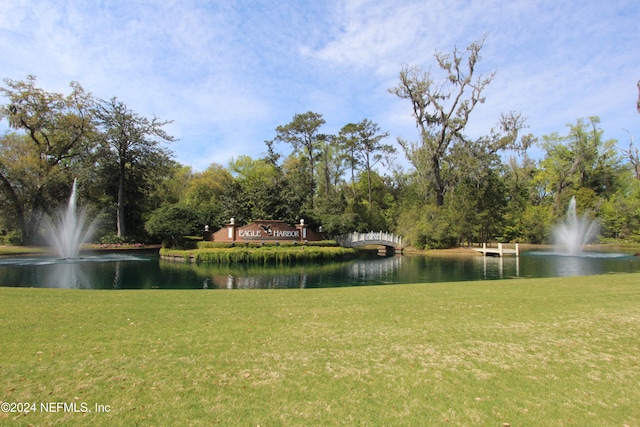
(104, 271)
(70, 230)
(67, 275)
(571, 235)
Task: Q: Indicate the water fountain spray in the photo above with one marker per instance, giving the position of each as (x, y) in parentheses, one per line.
(574, 233)
(69, 230)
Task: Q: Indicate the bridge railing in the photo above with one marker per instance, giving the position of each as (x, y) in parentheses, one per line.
(371, 237)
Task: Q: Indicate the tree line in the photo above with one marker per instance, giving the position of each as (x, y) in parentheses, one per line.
(458, 190)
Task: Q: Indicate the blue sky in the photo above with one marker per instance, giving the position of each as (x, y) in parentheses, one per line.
(229, 72)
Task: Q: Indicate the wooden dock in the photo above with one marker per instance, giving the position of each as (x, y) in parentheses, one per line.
(499, 251)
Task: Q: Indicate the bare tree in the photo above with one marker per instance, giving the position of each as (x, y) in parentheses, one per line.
(638, 102)
(441, 108)
(633, 156)
(632, 152)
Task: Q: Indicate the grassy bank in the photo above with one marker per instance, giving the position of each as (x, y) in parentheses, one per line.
(43, 250)
(524, 352)
(21, 250)
(259, 254)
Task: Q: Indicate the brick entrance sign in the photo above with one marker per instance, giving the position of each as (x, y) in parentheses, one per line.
(264, 231)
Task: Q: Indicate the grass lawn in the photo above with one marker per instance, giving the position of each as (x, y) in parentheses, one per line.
(528, 352)
(21, 250)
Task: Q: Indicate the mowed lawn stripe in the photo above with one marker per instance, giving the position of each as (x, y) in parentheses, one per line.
(562, 351)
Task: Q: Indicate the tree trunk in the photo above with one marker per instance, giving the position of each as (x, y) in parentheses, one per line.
(353, 184)
(370, 194)
(19, 212)
(120, 213)
(437, 181)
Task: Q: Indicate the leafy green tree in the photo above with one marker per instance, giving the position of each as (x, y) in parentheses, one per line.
(330, 165)
(207, 187)
(173, 223)
(370, 151)
(373, 211)
(16, 185)
(522, 194)
(557, 167)
(535, 224)
(348, 141)
(581, 159)
(478, 191)
(170, 188)
(426, 226)
(303, 134)
(258, 196)
(37, 166)
(620, 214)
(132, 147)
(334, 215)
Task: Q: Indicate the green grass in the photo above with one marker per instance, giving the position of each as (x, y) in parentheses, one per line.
(21, 250)
(261, 255)
(529, 352)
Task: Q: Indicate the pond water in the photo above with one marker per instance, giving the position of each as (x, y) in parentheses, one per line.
(147, 271)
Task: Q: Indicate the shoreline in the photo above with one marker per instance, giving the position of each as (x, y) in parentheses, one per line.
(623, 247)
(9, 251)
(626, 248)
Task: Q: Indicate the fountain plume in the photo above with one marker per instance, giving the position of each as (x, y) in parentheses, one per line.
(69, 230)
(574, 232)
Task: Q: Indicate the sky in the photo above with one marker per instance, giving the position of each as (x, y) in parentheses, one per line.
(227, 73)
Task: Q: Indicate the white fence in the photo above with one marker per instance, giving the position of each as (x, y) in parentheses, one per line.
(370, 238)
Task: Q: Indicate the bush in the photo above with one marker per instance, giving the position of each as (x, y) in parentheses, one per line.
(288, 244)
(426, 227)
(172, 223)
(323, 243)
(214, 245)
(11, 238)
(112, 239)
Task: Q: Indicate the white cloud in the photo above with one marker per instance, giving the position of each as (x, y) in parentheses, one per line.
(228, 73)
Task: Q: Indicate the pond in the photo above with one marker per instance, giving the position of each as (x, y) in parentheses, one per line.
(140, 270)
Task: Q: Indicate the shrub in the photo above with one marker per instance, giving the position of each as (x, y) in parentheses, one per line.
(112, 239)
(323, 243)
(12, 238)
(172, 223)
(214, 245)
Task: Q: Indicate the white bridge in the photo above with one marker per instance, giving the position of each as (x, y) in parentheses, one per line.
(379, 238)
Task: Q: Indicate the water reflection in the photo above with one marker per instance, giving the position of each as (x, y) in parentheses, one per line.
(585, 264)
(150, 272)
(89, 272)
(381, 270)
(68, 275)
(358, 272)
(494, 267)
(284, 281)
